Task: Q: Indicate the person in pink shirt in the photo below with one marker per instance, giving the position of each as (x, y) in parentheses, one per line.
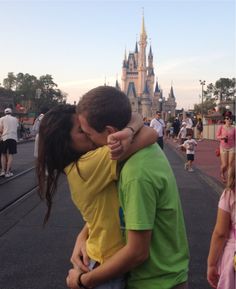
(226, 134)
(221, 259)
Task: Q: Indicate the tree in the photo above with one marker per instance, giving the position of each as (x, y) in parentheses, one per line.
(33, 92)
(10, 81)
(224, 89)
(208, 104)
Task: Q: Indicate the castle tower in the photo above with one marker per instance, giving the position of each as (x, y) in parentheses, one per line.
(138, 81)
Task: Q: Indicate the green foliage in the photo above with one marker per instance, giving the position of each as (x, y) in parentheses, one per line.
(224, 89)
(207, 105)
(33, 92)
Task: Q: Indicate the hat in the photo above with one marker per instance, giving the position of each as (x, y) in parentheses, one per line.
(228, 113)
(183, 123)
(8, 110)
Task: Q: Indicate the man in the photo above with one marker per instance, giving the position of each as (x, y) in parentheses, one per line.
(35, 129)
(8, 129)
(156, 250)
(159, 125)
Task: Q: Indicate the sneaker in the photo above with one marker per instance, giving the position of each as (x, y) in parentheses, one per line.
(186, 166)
(2, 174)
(8, 174)
(191, 170)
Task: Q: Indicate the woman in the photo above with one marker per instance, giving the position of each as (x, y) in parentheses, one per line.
(91, 174)
(199, 127)
(226, 135)
(220, 265)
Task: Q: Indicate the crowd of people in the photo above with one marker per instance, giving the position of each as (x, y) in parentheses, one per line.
(122, 183)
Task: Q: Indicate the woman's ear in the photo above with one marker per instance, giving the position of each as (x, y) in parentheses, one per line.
(111, 129)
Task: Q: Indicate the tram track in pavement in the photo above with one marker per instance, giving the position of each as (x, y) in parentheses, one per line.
(18, 196)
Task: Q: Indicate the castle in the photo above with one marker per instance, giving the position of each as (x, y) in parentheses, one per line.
(138, 79)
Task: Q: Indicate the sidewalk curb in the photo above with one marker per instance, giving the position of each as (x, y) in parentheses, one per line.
(212, 182)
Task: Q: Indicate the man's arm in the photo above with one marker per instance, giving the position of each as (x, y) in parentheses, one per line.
(134, 253)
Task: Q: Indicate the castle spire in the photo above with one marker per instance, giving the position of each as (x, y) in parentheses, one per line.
(136, 47)
(143, 31)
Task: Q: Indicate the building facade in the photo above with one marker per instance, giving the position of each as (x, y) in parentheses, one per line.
(138, 81)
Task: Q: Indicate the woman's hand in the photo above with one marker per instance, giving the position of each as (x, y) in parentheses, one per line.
(119, 142)
(212, 276)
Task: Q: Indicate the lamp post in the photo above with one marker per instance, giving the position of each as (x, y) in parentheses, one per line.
(202, 83)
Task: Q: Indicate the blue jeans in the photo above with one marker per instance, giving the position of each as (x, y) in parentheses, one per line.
(160, 142)
(115, 283)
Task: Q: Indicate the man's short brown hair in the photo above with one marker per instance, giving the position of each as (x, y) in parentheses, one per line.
(105, 105)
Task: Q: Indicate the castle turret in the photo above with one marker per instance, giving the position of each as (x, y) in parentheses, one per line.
(136, 53)
(124, 73)
(142, 69)
(150, 75)
(146, 102)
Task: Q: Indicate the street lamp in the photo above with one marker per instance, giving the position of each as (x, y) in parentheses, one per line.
(202, 83)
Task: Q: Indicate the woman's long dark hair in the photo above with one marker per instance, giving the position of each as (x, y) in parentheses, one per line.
(55, 151)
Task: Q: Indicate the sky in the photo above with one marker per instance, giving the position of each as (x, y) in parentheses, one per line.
(82, 43)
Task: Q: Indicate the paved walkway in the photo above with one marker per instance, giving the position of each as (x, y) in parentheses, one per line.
(205, 159)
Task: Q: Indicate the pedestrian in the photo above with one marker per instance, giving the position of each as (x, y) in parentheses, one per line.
(168, 129)
(176, 127)
(226, 134)
(35, 128)
(1, 150)
(221, 263)
(8, 129)
(156, 251)
(159, 125)
(189, 145)
(91, 174)
(146, 121)
(189, 123)
(182, 133)
(199, 127)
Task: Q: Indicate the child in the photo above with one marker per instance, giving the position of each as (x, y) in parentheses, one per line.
(189, 145)
(220, 265)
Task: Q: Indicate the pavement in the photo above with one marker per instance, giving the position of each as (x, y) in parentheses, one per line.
(205, 161)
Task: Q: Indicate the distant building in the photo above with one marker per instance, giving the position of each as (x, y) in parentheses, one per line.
(138, 79)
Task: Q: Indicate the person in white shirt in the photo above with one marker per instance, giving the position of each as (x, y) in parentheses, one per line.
(189, 145)
(8, 129)
(159, 125)
(182, 133)
(189, 123)
(35, 129)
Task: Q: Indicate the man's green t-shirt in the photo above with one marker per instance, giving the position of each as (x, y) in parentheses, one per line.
(150, 201)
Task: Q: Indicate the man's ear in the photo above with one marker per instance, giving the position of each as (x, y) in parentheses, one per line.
(111, 129)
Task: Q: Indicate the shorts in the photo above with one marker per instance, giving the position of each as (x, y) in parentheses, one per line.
(9, 146)
(115, 283)
(229, 150)
(1, 146)
(190, 157)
